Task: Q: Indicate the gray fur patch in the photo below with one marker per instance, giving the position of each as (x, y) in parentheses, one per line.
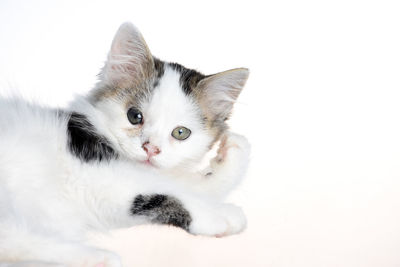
(159, 71)
(189, 77)
(162, 209)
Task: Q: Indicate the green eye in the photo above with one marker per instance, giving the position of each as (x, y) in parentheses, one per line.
(181, 133)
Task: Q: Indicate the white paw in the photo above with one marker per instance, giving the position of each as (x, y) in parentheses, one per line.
(226, 219)
(233, 148)
(235, 217)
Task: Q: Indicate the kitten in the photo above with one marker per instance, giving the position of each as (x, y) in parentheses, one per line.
(121, 156)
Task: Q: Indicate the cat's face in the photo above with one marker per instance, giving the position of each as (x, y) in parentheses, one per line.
(162, 114)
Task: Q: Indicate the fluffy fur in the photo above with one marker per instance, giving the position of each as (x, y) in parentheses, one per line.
(66, 172)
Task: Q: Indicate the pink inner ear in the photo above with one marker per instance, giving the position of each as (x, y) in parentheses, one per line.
(129, 57)
(125, 68)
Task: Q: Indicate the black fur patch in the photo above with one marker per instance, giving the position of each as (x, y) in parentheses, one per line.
(162, 209)
(159, 69)
(189, 78)
(85, 143)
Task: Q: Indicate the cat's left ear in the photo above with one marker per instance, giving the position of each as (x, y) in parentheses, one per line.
(219, 92)
(129, 59)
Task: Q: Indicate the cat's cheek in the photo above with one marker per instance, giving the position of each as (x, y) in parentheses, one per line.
(131, 147)
(167, 161)
(133, 132)
(172, 141)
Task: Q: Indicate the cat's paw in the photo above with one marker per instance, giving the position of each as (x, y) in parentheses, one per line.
(235, 217)
(232, 159)
(233, 147)
(226, 220)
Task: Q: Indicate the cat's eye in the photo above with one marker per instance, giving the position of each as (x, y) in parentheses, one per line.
(181, 133)
(135, 116)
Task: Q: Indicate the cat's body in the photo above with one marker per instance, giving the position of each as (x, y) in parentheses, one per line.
(93, 168)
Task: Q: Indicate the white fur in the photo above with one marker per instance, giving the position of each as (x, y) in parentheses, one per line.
(49, 199)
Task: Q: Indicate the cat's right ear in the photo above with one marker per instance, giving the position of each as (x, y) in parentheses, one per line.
(129, 59)
(218, 92)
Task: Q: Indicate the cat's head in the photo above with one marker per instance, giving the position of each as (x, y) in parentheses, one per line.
(160, 113)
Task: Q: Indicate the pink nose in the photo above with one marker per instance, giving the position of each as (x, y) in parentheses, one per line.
(150, 149)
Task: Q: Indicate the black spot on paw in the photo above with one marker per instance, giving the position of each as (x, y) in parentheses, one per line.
(161, 209)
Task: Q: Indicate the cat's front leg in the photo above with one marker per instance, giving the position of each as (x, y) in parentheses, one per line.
(126, 195)
(195, 215)
(226, 170)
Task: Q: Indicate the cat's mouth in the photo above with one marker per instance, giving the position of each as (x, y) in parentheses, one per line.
(148, 162)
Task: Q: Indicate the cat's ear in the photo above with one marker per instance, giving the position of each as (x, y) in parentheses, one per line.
(129, 59)
(219, 92)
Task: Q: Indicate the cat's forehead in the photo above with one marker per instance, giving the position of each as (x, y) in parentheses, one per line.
(170, 96)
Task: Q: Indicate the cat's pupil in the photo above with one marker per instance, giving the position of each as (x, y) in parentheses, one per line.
(135, 116)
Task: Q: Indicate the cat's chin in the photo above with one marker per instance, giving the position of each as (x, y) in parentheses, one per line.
(153, 164)
(148, 163)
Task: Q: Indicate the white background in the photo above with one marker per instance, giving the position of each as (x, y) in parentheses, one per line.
(321, 109)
